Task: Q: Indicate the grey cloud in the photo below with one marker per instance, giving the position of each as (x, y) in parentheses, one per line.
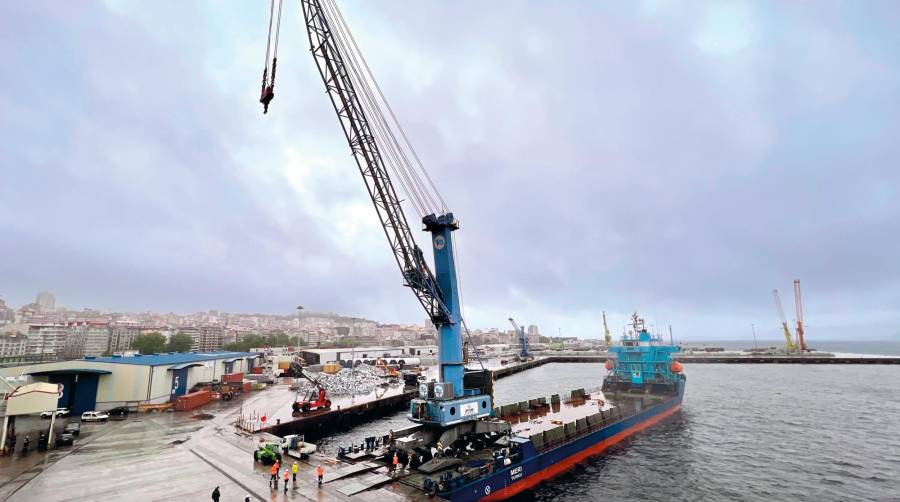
(596, 158)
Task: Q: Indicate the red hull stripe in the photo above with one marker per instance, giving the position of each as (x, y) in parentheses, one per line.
(564, 465)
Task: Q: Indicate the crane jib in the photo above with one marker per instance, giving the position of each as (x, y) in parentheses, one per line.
(438, 292)
(339, 86)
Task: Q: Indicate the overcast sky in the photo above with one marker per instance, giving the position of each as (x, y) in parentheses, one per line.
(678, 158)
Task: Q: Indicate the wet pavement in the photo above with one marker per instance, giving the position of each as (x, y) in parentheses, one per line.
(276, 406)
(169, 456)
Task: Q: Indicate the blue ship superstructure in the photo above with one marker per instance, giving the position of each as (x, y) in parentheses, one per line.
(643, 362)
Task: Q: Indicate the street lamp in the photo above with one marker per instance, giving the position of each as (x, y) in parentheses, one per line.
(299, 331)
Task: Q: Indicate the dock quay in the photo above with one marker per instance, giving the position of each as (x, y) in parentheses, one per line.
(322, 422)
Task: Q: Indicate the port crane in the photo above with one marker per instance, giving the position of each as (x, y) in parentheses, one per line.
(801, 333)
(607, 337)
(360, 106)
(788, 338)
(523, 340)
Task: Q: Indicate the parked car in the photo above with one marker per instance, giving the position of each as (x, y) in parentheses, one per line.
(73, 428)
(118, 413)
(65, 439)
(60, 412)
(94, 416)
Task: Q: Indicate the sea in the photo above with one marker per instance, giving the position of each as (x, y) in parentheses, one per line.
(745, 432)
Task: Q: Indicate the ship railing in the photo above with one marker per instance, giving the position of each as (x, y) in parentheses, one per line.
(608, 417)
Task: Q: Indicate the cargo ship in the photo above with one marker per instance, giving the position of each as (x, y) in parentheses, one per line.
(528, 442)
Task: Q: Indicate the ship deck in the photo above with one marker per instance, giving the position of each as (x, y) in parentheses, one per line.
(531, 418)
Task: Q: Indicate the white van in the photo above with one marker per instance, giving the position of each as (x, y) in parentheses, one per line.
(94, 416)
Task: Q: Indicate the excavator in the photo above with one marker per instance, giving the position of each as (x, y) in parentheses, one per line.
(317, 398)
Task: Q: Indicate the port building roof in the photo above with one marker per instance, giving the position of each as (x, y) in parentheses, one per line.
(172, 358)
(70, 371)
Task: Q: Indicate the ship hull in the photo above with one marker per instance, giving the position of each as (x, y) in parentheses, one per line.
(510, 481)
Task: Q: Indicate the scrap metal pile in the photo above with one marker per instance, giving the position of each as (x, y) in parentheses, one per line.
(360, 380)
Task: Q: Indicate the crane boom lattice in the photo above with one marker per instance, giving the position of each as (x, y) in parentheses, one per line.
(788, 338)
(358, 130)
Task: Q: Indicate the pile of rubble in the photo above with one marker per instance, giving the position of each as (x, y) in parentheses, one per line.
(360, 380)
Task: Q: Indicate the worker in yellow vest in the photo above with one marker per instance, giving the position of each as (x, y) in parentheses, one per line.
(294, 469)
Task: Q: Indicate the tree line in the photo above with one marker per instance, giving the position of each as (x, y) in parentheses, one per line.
(154, 342)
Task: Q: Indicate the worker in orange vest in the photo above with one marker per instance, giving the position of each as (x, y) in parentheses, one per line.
(273, 479)
(395, 462)
(320, 473)
(287, 477)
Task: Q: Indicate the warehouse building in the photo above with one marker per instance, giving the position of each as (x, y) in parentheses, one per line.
(101, 383)
(342, 355)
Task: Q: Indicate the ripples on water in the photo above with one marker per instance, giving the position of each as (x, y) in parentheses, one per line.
(745, 432)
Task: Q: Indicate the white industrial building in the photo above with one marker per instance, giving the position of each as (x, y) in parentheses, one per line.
(343, 354)
(101, 383)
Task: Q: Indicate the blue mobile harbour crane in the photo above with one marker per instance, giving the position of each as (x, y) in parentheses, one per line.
(459, 405)
(524, 355)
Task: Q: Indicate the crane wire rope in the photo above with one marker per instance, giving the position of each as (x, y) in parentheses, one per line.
(434, 190)
(462, 309)
(267, 92)
(410, 180)
(396, 157)
(277, 34)
(372, 110)
(392, 157)
(265, 76)
(362, 74)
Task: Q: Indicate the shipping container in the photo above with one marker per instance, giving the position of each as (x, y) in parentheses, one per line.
(232, 377)
(193, 400)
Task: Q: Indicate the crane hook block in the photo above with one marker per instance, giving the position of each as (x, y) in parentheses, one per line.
(268, 94)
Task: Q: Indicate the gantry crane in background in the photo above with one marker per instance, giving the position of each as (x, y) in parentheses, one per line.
(607, 337)
(788, 338)
(524, 355)
(379, 146)
(801, 334)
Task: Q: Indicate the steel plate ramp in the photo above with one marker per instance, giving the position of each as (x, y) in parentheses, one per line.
(362, 483)
(350, 470)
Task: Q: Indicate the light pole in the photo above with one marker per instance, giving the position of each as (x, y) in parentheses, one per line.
(299, 331)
